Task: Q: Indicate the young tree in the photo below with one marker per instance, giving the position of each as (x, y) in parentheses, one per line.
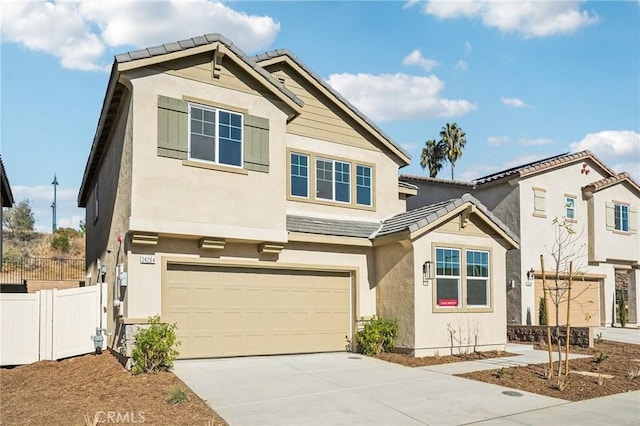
(20, 218)
(433, 156)
(454, 140)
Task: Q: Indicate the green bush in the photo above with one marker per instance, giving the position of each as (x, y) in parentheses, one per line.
(60, 242)
(177, 396)
(379, 335)
(622, 310)
(542, 312)
(155, 347)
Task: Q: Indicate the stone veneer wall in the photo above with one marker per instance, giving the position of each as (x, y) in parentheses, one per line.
(580, 336)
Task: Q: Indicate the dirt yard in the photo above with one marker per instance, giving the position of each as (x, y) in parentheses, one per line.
(620, 360)
(89, 388)
(410, 361)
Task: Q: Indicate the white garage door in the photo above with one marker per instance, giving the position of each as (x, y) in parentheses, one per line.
(232, 311)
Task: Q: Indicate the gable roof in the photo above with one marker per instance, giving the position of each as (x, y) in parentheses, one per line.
(5, 187)
(544, 165)
(623, 177)
(154, 55)
(422, 217)
(284, 55)
(417, 178)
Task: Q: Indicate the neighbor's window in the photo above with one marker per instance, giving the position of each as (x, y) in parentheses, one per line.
(447, 277)
(215, 135)
(539, 201)
(333, 180)
(621, 217)
(477, 278)
(570, 204)
(363, 185)
(299, 175)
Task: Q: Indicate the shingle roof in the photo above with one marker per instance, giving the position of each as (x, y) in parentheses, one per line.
(416, 178)
(285, 52)
(541, 165)
(612, 180)
(189, 43)
(7, 195)
(342, 228)
(415, 219)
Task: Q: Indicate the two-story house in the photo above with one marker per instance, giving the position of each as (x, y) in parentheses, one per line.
(246, 201)
(578, 190)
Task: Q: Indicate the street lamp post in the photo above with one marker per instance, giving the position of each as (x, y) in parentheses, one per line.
(53, 206)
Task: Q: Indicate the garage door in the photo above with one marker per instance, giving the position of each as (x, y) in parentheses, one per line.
(231, 311)
(585, 304)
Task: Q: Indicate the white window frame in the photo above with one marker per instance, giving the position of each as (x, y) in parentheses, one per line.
(216, 142)
(618, 211)
(539, 202)
(570, 206)
(334, 181)
(449, 277)
(291, 176)
(487, 279)
(370, 187)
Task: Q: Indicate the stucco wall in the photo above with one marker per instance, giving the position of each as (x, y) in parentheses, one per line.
(434, 192)
(396, 289)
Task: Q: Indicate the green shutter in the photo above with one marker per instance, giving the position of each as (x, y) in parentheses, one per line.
(172, 128)
(256, 143)
(610, 215)
(633, 220)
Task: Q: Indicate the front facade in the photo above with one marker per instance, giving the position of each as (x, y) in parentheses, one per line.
(238, 197)
(540, 202)
(6, 200)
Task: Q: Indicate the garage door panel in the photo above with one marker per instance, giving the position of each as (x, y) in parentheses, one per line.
(225, 311)
(585, 303)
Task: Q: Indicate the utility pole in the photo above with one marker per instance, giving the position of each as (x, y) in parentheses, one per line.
(53, 206)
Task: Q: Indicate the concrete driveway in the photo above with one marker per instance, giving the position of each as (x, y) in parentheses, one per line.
(344, 388)
(624, 335)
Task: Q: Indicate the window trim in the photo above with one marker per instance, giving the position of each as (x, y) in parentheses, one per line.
(312, 199)
(619, 207)
(449, 277)
(463, 306)
(334, 181)
(568, 197)
(216, 110)
(543, 195)
(290, 175)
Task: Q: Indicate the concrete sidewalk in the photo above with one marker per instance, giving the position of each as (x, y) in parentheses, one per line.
(624, 335)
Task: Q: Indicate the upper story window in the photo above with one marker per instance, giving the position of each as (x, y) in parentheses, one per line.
(570, 207)
(621, 217)
(539, 202)
(332, 180)
(462, 275)
(215, 135)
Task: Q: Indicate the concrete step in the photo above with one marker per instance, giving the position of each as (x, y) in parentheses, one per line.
(518, 347)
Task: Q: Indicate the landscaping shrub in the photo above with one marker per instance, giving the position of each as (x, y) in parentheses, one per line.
(542, 312)
(177, 396)
(622, 310)
(379, 335)
(60, 242)
(155, 347)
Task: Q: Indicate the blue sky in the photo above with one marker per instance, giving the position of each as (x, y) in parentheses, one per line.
(525, 79)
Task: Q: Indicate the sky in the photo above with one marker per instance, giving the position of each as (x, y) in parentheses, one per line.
(524, 79)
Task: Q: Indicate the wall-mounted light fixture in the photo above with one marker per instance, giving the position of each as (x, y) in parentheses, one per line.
(530, 274)
(428, 272)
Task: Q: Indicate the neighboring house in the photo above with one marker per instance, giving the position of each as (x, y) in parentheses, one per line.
(601, 207)
(245, 200)
(6, 200)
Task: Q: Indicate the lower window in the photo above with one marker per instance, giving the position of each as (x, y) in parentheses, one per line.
(462, 275)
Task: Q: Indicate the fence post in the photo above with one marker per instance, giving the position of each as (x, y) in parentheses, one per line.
(46, 324)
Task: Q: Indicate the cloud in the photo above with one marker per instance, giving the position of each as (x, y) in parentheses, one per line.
(389, 97)
(416, 58)
(513, 102)
(497, 140)
(528, 18)
(41, 198)
(467, 47)
(616, 147)
(536, 142)
(79, 33)
(409, 4)
(410, 146)
(461, 65)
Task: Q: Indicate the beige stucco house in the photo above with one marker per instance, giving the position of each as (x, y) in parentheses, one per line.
(576, 189)
(246, 201)
(6, 200)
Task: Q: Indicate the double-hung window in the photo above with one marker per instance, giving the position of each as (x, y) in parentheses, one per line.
(570, 205)
(215, 135)
(333, 180)
(477, 278)
(447, 277)
(363, 185)
(299, 175)
(621, 217)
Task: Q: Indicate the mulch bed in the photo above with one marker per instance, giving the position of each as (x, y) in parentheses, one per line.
(410, 361)
(70, 391)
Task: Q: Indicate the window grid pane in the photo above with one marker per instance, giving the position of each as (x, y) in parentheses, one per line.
(225, 147)
(621, 217)
(324, 179)
(299, 175)
(447, 277)
(363, 185)
(570, 203)
(343, 179)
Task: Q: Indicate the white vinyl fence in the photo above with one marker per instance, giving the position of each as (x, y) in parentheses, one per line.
(50, 324)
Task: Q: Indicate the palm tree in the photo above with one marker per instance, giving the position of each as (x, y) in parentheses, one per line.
(454, 140)
(433, 156)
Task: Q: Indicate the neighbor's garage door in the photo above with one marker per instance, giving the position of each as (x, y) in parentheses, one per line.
(585, 303)
(231, 311)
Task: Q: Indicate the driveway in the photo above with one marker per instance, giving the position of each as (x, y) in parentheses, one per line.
(344, 388)
(624, 335)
